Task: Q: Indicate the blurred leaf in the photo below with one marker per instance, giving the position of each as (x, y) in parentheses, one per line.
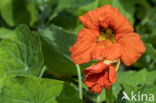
(15, 12)
(74, 3)
(151, 51)
(78, 28)
(21, 55)
(65, 20)
(34, 14)
(34, 90)
(101, 97)
(137, 93)
(127, 89)
(56, 44)
(5, 33)
(66, 14)
(84, 9)
(143, 62)
(150, 39)
(134, 78)
(104, 2)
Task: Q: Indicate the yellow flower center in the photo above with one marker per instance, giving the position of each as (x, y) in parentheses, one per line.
(107, 34)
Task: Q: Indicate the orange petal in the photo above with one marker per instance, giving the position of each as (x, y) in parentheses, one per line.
(97, 68)
(91, 19)
(132, 48)
(112, 74)
(110, 52)
(121, 25)
(87, 35)
(81, 52)
(97, 89)
(91, 80)
(116, 21)
(97, 52)
(102, 10)
(105, 80)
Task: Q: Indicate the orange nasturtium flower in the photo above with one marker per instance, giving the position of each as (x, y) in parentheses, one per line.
(107, 35)
(98, 76)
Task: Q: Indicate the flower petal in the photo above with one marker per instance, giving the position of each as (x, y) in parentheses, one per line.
(97, 68)
(81, 52)
(91, 19)
(116, 21)
(87, 35)
(121, 25)
(106, 83)
(97, 52)
(91, 80)
(132, 48)
(112, 74)
(97, 89)
(110, 52)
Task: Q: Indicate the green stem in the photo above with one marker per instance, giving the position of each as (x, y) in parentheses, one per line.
(109, 96)
(80, 81)
(42, 71)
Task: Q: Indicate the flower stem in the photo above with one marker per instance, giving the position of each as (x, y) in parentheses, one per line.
(80, 81)
(42, 71)
(109, 96)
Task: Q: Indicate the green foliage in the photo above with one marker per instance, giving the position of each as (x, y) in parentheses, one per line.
(21, 54)
(5, 33)
(151, 51)
(56, 44)
(13, 16)
(34, 90)
(52, 28)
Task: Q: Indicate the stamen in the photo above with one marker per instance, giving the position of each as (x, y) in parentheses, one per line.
(106, 34)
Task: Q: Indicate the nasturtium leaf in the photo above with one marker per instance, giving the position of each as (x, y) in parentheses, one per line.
(30, 89)
(143, 94)
(133, 81)
(74, 3)
(104, 2)
(150, 39)
(59, 38)
(65, 20)
(56, 44)
(126, 89)
(84, 9)
(102, 96)
(151, 51)
(134, 78)
(3, 78)
(33, 13)
(21, 54)
(5, 33)
(15, 12)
